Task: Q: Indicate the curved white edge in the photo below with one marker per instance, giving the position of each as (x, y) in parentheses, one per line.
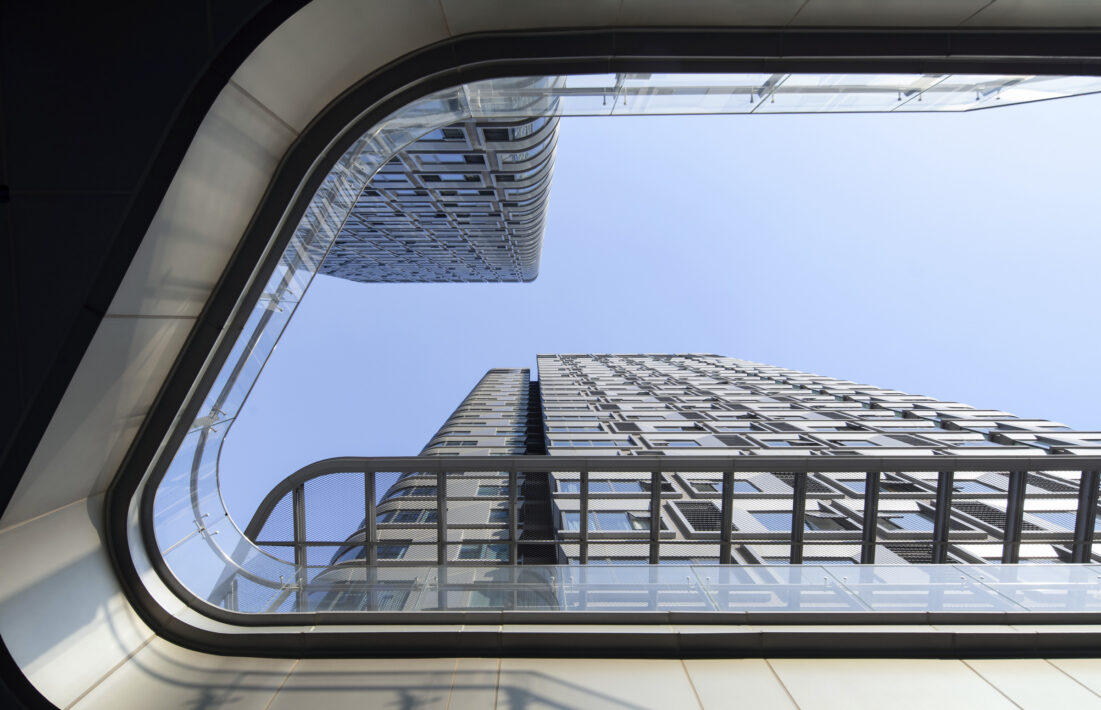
(63, 616)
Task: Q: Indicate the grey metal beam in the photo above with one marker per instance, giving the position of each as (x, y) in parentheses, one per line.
(655, 516)
(942, 516)
(1086, 519)
(667, 464)
(583, 523)
(726, 515)
(870, 524)
(1014, 514)
(370, 524)
(798, 517)
(513, 522)
(441, 518)
(298, 504)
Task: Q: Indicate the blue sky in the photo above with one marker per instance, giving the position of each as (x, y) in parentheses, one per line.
(951, 255)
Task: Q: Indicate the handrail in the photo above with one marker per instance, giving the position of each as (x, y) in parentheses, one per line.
(797, 464)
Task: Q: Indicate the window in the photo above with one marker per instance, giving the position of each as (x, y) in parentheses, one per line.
(391, 551)
(352, 553)
(441, 157)
(780, 521)
(1065, 519)
(973, 487)
(444, 134)
(777, 443)
(886, 485)
(498, 515)
(413, 491)
(484, 551)
(607, 521)
(573, 429)
(599, 443)
(606, 486)
(390, 177)
(716, 487)
(495, 135)
(913, 522)
(676, 443)
(409, 516)
(810, 561)
(485, 490)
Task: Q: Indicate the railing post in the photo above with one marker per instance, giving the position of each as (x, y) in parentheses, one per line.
(370, 525)
(441, 518)
(655, 517)
(798, 516)
(513, 522)
(1014, 514)
(942, 516)
(1086, 517)
(726, 515)
(583, 544)
(298, 503)
(871, 518)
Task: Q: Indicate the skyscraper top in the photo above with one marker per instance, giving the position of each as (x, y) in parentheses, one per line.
(466, 202)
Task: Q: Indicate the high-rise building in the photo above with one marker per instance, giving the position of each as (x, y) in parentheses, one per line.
(707, 405)
(466, 202)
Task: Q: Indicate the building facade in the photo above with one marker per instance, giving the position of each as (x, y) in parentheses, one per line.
(708, 405)
(466, 202)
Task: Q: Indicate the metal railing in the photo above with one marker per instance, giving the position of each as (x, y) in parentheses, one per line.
(311, 583)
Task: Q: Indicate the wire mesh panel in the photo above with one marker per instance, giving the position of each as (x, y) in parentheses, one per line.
(321, 557)
(480, 519)
(761, 527)
(279, 526)
(283, 552)
(723, 540)
(333, 507)
(406, 517)
(1049, 506)
(622, 506)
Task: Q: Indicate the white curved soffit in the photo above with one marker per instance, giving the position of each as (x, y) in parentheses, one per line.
(64, 617)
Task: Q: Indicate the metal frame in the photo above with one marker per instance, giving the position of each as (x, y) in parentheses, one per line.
(442, 468)
(871, 518)
(729, 467)
(502, 54)
(1087, 516)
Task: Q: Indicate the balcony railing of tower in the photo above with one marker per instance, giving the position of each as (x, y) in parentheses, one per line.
(307, 550)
